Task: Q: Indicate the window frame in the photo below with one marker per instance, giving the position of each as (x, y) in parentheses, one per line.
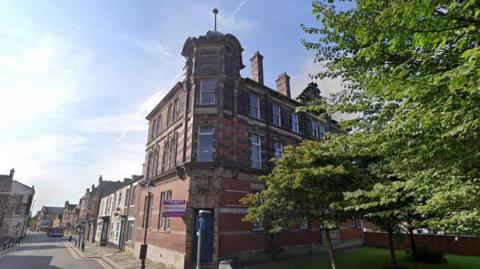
(150, 212)
(279, 115)
(257, 111)
(295, 123)
(203, 91)
(176, 109)
(166, 156)
(173, 152)
(158, 126)
(314, 128)
(322, 130)
(170, 114)
(130, 227)
(164, 222)
(275, 149)
(252, 145)
(200, 133)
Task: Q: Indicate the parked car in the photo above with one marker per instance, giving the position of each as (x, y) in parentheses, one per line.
(55, 232)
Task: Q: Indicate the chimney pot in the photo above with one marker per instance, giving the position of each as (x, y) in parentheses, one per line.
(283, 84)
(257, 67)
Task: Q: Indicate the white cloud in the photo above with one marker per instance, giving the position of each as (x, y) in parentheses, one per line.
(39, 81)
(148, 105)
(153, 47)
(301, 79)
(112, 124)
(327, 86)
(37, 78)
(44, 150)
(233, 23)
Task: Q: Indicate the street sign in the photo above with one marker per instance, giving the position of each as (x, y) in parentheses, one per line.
(173, 208)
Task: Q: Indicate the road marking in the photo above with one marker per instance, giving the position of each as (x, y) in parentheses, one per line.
(78, 255)
(5, 252)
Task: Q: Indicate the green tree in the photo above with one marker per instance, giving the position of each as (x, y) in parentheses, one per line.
(389, 205)
(412, 69)
(305, 183)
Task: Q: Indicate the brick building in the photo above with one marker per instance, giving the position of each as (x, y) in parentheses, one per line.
(210, 139)
(48, 217)
(112, 215)
(15, 206)
(131, 214)
(90, 202)
(69, 217)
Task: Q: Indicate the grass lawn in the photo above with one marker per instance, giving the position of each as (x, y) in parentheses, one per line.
(368, 258)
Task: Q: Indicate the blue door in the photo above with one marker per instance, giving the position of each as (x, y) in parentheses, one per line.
(206, 254)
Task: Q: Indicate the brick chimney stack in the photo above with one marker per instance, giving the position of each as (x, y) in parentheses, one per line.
(283, 84)
(257, 67)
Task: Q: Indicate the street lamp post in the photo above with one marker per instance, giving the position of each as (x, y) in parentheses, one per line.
(83, 236)
(143, 248)
(200, 227)
(15, 237)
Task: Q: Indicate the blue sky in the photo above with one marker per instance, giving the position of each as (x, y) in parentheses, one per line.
(78, 77)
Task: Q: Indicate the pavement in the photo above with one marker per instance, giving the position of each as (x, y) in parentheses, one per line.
(115, 258)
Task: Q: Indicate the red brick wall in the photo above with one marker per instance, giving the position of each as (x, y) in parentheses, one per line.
(260, 241)
(348, 233)
(445, 243)
(174, 239)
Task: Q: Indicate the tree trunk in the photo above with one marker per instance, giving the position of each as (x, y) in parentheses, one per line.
(413, 246)
(273, 248)
(331, 252)
(393, 261)
(311, 241)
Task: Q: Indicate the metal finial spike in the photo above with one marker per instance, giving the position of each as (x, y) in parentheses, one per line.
(215, 12)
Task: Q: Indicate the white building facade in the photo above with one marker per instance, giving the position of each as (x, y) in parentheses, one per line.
(113, 218)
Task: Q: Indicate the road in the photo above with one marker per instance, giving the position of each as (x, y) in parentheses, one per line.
(42, 252)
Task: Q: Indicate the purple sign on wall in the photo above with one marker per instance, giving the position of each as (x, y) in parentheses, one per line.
(173, 208)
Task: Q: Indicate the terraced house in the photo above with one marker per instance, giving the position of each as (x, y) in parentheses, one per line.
(210, 139)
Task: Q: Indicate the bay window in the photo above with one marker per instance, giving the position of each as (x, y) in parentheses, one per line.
(207, 92)
(205, 144)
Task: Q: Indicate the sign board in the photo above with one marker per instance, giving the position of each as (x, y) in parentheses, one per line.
(173, 208)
